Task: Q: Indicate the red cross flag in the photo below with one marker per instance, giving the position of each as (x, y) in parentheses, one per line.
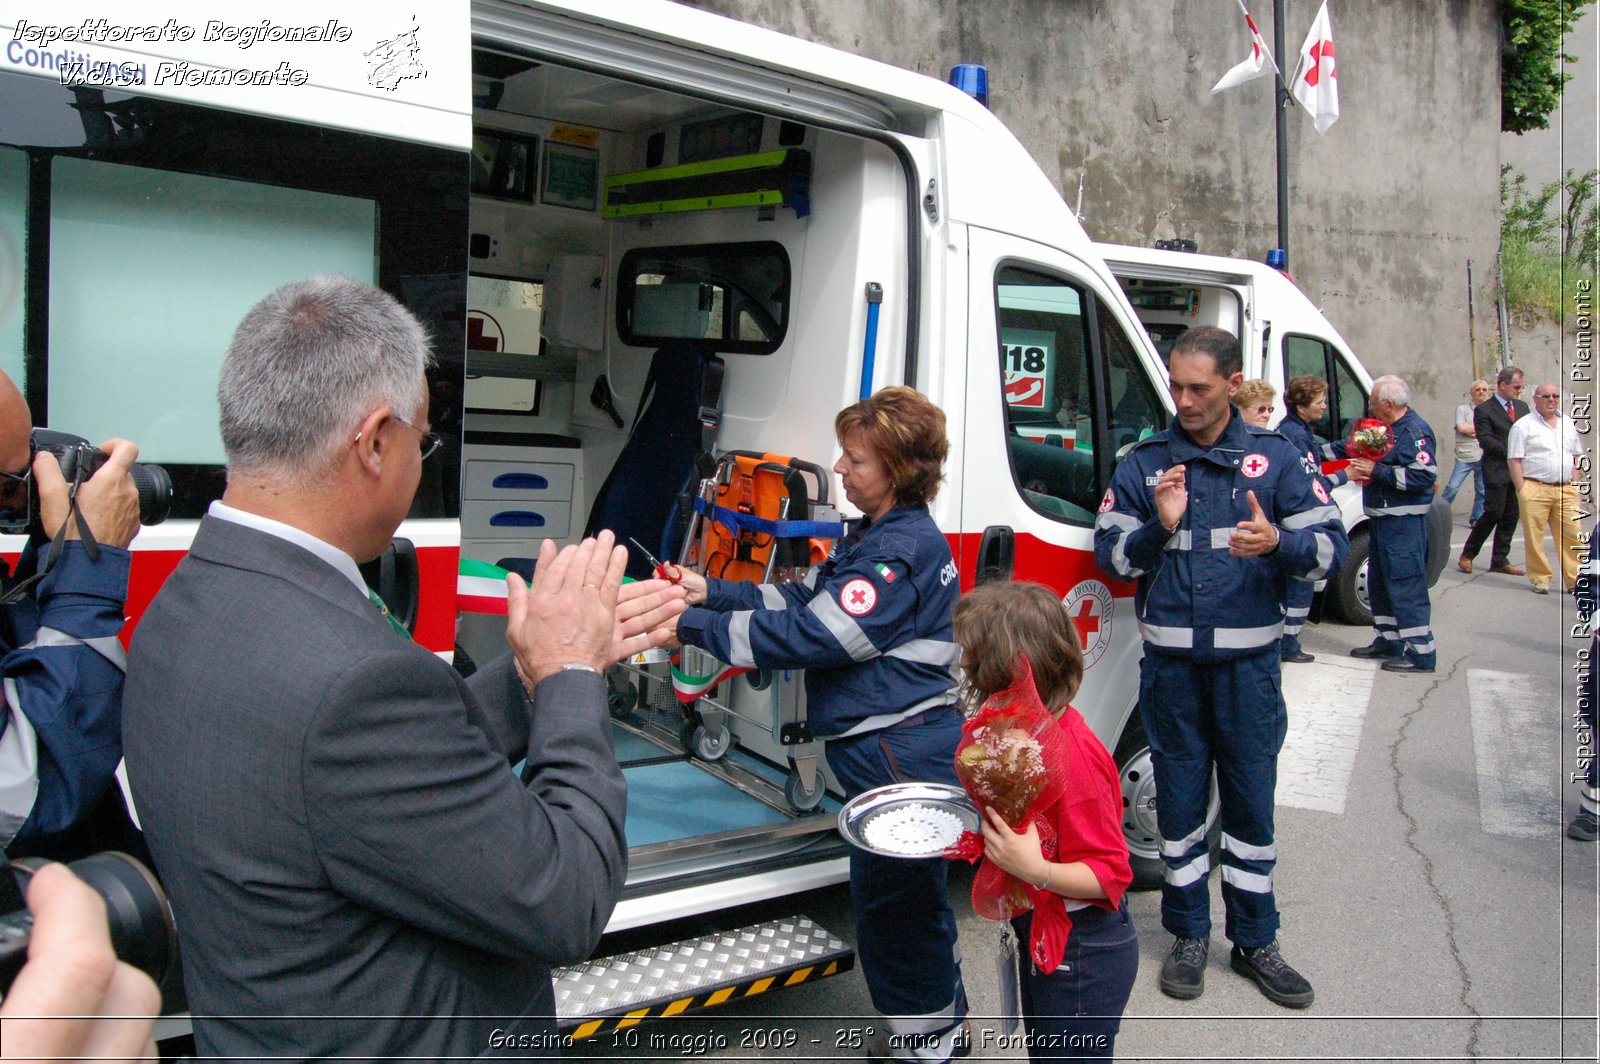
(1316, 82)
(1257, 63)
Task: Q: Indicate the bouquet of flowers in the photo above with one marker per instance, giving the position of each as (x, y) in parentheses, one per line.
(1011, 759)
(1369, 439)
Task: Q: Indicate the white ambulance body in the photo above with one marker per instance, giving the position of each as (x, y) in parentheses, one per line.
(624, 175)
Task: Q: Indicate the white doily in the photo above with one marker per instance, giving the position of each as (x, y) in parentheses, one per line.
(912, 828)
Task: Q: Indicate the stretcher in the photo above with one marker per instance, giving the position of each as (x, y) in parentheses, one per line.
(764, 518)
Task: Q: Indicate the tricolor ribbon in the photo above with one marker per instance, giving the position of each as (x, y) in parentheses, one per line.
(481, 587)
(689, 688)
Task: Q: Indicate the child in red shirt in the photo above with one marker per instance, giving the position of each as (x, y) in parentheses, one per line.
(1075, 1011)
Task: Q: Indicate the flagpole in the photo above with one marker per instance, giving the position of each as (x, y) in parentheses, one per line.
(1282, 101)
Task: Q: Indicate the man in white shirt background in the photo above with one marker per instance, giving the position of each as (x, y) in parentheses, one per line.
(1543, 454)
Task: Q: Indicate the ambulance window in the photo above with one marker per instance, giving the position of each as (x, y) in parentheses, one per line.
(1136, 409)
(1048, 393)
(1347, 399)
(734, 296)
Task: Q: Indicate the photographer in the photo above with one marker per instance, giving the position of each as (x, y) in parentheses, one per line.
(60, 728)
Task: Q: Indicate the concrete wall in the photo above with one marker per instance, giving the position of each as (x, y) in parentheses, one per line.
(1385, 209)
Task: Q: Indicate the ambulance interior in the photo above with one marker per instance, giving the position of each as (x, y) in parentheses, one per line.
(609, 220)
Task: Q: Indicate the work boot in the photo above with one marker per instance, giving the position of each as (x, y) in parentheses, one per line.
(1299, 657)
(1378, 651)
(1183, 973)
(1585, 827)
(1279, 982)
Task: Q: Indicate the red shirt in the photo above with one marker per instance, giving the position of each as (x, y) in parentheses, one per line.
(1088, 818)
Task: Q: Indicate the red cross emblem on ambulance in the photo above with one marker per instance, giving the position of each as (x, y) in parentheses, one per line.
(1254, 465)
(857, 597)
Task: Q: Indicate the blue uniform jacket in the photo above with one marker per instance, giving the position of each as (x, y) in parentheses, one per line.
(1194, 599)
(870, 625)
(1297, 432)
(1402, 480)
(63, 667)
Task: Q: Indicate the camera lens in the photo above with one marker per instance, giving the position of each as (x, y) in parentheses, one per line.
(155, 492)
(142, 931)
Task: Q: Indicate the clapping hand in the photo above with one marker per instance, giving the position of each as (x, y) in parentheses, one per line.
(1254, 537)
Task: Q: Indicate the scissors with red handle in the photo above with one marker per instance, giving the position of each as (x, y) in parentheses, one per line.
(672, 574)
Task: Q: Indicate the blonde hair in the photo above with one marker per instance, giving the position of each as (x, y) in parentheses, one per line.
(1252, 392)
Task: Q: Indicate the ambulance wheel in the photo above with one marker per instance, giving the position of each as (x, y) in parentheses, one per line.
(711, 746)
(1349, 593)
(800, 799)
(1136, 773)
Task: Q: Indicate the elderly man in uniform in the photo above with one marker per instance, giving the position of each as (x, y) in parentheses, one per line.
(1396, 493)
(1213, 517)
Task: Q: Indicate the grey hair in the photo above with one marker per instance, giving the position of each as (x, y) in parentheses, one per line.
(1392, 388)
(306, 365)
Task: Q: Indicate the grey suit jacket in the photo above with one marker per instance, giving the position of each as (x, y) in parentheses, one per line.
(354, 868)
(1493, 425)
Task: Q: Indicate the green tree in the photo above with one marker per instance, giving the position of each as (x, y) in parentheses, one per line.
(1532, 57)
(1548, 240)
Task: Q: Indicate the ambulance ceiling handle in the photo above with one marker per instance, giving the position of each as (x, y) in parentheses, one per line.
(996, 554)
(869, 351)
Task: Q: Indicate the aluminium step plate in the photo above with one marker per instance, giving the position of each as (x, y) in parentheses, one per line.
(696, 973)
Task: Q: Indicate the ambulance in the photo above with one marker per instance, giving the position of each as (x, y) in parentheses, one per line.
(1173, 288)
(561, 191)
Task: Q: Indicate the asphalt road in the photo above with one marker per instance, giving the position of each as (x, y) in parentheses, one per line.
(1426, 887)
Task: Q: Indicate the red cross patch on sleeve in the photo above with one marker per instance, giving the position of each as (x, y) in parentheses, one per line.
(858, 597)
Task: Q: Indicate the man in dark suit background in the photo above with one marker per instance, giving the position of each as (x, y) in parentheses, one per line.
(1492, 419)
(354, 868)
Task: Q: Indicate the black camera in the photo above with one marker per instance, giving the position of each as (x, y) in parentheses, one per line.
(79, 459)
(142, 931)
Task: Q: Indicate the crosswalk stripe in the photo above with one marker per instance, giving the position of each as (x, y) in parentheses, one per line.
(1327, 702)
(1517, 754)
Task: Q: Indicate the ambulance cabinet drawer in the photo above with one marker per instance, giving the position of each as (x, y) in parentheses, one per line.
(517, 519)
(516, 480)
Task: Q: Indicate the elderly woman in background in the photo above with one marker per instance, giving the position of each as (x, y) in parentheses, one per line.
(1255, 401)
(871, 628)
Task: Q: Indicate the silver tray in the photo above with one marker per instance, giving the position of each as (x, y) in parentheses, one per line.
(908, 820)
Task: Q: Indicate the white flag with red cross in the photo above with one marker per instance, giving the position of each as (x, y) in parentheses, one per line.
(1257, 63)
(1316, 79)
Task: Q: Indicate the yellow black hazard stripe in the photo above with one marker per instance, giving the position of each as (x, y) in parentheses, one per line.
(579, 1028)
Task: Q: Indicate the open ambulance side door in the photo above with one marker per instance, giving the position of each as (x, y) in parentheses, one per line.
(1056, 387)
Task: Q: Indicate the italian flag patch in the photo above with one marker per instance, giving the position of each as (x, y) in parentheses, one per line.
(885, 572)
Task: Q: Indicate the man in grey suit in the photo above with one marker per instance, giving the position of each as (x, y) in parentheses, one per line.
(354, 868)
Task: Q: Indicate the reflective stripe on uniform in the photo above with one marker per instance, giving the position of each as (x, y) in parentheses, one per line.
(1246, 638)
(739, 652)
(1417, 510)
(1176, 848)
(772, 598)
(1119, 552)
(927, 652)
(1248, 851)
(1324, 544)
(1167, 636)
(1220, 538)
(1253, 882)
(1192, 872)
(1307, 518)
(1181, 540)
(19, 766)
(884, 720)
(843, 627)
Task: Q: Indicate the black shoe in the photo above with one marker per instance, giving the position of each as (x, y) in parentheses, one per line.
(1376, 652)
(1299, 657)
(1404, 665)
(1280, 983)
(1183, 973)
(1585, 827)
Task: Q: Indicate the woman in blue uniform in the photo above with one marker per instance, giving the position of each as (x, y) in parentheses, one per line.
(1305, 399)
(872, 628)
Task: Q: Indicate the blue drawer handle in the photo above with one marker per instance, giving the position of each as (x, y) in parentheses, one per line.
(517, 519)
(520, 480)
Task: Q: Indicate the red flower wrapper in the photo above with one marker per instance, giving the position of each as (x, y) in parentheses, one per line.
(1011, 758)
(1369, 439)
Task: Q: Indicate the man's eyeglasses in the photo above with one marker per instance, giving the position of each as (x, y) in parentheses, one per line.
(25, 474)
(431, 441)
(1547, 395)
